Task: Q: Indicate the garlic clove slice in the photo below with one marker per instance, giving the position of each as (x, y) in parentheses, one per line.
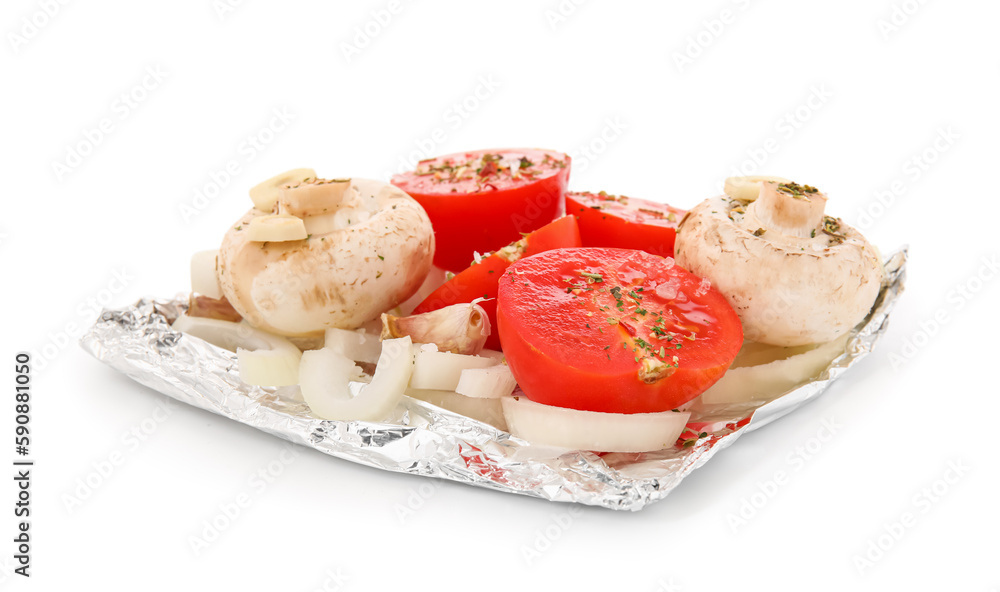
(276, 228)
(265, 194)
(748, 188)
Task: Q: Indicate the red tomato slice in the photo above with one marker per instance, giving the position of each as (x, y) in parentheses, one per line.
(613, 330)
(481, 200)
(625, 222)
(481, 279)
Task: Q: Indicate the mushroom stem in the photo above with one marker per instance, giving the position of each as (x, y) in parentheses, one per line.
(788, 208)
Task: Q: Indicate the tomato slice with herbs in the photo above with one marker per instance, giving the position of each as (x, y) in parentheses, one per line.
(481, 279)
(625, 222)
(480, 201)
(613, 330)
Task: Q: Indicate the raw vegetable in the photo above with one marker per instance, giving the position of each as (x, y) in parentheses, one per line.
(479, 201)
(276, 229)
(439, 370)
(481, 279)
(589, 430)
(265, 194)
(325, 375)
(204, 274)
(625, 222)
(264, 359)
(459, 328)
(613, 330)
(357, 345)
(341, 278)
(762, 372)
(794, 275)
(486, 383)
(746, 189)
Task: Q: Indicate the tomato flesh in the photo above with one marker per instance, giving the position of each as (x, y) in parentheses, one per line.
(480, 201)
(613, 330)
(481, 280)
(625, 222)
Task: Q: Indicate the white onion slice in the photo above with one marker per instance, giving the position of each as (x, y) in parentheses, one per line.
(359, 345)
(486, 383)
(264, 359)
(762, 372)
(443, 370)
(591, 430)
(204, 280)
(325, 375)
(487, 411)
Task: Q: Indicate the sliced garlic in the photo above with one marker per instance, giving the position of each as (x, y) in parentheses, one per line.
(748, 188)
(265, 194)
(313, 197)
(276, 229)
(204, 279)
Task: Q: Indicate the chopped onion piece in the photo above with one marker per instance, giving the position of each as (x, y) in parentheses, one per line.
(484, 410)
(325, 377)
(442, 370)
(592, 430)
(762, 372)
(264, 359)
(204, 280)
(269, 367)
(486, 383)
(355, 345)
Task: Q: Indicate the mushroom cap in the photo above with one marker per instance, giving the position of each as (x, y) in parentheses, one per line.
(343, 275)
(787, 289)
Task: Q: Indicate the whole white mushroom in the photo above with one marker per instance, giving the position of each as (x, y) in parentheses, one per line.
(314, 253)
(794, 275)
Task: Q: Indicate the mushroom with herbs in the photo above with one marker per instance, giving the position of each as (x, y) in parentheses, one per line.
(314, 253)
(793, 274)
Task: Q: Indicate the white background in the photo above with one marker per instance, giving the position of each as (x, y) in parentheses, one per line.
(888, 105)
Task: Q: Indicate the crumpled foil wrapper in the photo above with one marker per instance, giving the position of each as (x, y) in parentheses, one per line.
(423, 439)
